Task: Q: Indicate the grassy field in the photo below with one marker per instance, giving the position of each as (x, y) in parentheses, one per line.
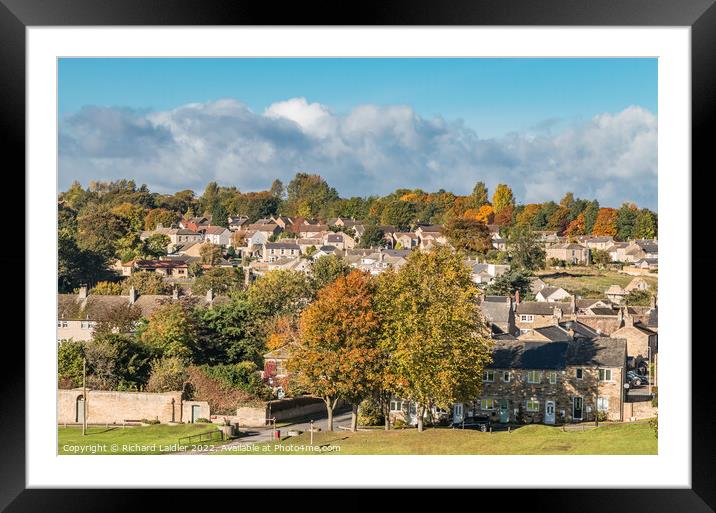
(632, 438)
(158, 439)
(589, 281)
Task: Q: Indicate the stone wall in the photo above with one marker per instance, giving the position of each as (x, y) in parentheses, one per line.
(639, 410)
(109, 407)
(282, 409)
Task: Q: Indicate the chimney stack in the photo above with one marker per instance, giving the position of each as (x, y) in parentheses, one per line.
(132, 295)
(83, 292)
(620, 317)
(517, 297)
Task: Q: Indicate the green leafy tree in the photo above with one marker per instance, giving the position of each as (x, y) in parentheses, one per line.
(638, 298)
(98, 230)
(645, 225)
(508, 283)
(170, 330)
(116, 362)
(526, 250)
(280, 292)
(147, 283)
(155, 246)
(503, 198)
(479, 196)
(468, 235)
(229, 333)
(600, 257)
(327, 269)
(70, 357)
(591, 212)
(372, 237)
(210, 254)
(436, 337)
(167, 375)
(221, 280)
(107, 288)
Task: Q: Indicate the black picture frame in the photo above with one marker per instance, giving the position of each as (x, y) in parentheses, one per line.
(700, 15)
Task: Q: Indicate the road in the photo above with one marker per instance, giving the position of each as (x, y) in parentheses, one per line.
(254, 435)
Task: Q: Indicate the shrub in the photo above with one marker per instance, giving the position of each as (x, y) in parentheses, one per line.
(69, 363)
(168, 374)
(370, 413)
(602, 416)
(107, 288)
(150, 421)
(202, 420)
(225, 387)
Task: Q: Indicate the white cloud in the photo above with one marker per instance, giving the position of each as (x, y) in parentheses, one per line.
(370, 150)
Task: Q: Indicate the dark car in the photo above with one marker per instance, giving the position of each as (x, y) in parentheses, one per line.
(635, 379)
(481, 422)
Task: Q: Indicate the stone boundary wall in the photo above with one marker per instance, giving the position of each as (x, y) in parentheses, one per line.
(111, 407)
(282, 409)
(639, 410)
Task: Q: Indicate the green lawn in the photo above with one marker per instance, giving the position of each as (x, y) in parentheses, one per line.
(157, 439)
(589, 281)
(631, 438)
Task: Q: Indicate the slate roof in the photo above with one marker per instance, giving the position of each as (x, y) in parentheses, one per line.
(283, 245)
(496, 308)
(526, 354)
(542, 307)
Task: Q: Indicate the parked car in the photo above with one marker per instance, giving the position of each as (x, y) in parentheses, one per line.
(635, 379)
(481, 422)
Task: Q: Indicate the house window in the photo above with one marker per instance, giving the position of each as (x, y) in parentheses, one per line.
(603, 403)
(534, 377)
(605, 374)
(506, 376)
(527, 318)
(64, 324)
(532, 405)
(580, 373)
(552, 378)
(396, 405)
(487, 404)
(488, 376)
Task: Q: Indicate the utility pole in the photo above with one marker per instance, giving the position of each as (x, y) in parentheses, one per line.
(596, 406)
(311, 431)
(84, 396)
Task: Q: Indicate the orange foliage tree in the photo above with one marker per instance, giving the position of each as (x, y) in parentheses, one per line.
(576, 227)
(337, 354)
(606, 222)
(484, 214)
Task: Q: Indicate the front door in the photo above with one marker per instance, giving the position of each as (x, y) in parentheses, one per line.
(195, 412)
(80, 410)
(549, 412)
(457, 413)
(504, 411)
(577, 408)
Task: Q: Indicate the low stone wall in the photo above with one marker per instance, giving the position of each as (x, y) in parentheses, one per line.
(639, 410)
(282, 409)
(110, 407)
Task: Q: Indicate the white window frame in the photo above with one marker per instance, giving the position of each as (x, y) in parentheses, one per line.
(486, 373)
(539, 377)
(485, 402)
(552, 377)
(507, 375)
(604, 372)
(579, 373)
(527, 318)
(602, 403)
(531, 401)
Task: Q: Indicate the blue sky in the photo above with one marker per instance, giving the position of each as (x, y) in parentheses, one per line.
(494, 107)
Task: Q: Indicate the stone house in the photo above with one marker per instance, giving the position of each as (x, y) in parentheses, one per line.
(274, 250)
(641, 249)
(551, 382)
(484, 273)
(616, 294)
(168, 268)
(237, 222)
(500, 313)
(537, 314)
(637, 284)
(642, 342)
(218, 235)
(407, 240)
(569, 252)
(551, 294)
(267, 229)
(602, 243)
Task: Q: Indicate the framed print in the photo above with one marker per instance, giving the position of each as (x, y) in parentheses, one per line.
(416, 248)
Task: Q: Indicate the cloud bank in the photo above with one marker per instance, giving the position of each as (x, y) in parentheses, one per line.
(371, 150)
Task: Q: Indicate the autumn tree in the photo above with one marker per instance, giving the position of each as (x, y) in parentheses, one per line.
(170, 330)
(146, 282)
(157, 216)
(484, 214)
(645, 225)
(502, 198)
(576, 227)
(504, 216)
(468, 235)
(107, 288)
(210, 254)
(606, 222)
(433, 330)
(337, 354)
